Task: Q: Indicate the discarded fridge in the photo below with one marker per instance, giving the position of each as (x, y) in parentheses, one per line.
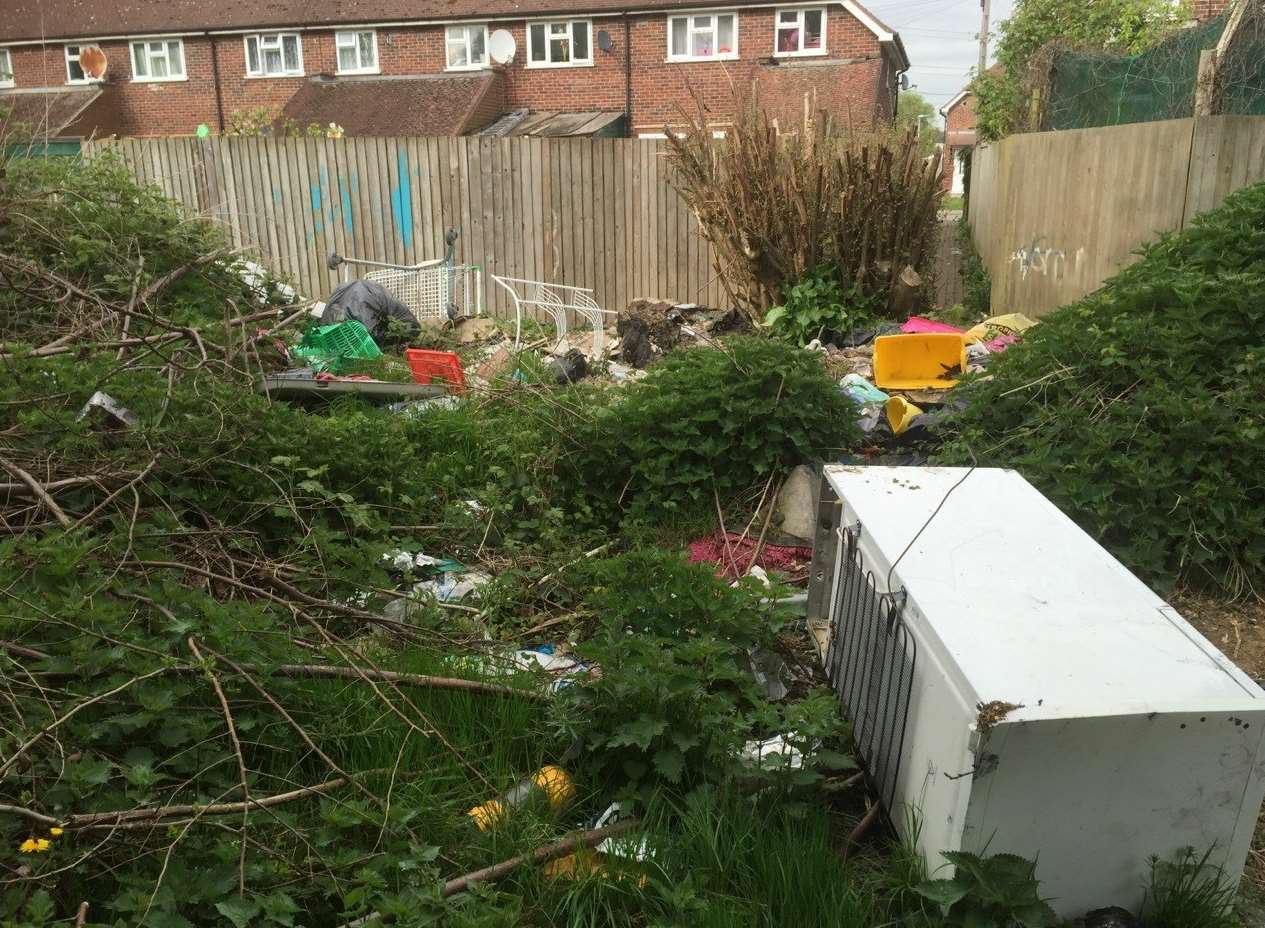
(1014, 688)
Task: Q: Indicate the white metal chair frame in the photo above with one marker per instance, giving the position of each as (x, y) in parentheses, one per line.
(557, 300)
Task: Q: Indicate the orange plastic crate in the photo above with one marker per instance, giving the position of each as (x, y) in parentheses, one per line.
(443, 365)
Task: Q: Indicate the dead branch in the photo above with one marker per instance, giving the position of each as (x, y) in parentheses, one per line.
(38, 490)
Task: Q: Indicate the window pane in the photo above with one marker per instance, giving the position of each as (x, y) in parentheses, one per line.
(478, 45)
(580, 41)
(347, 59)
(158, 64)
(538, 42)
(559, 50)
(76, 72)
(788, 16)
(252, 55)
(812, 28)
(138, 61)
(291, 45)
(679, 27)
(272, 61)
(725, 34)
(788, 39)
(367, 50)
(175, 59)
(702, 22)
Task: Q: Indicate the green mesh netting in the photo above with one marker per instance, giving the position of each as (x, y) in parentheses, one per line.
(1106, 90)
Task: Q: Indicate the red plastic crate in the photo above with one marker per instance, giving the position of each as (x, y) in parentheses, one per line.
(445, 365)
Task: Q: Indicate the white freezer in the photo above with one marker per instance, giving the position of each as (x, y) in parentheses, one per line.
(1132, 735)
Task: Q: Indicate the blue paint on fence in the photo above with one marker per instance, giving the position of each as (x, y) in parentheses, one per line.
(402, 202)
(345, 196)
(316, 208)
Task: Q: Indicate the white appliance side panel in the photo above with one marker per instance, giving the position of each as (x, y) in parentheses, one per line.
(1092, 798)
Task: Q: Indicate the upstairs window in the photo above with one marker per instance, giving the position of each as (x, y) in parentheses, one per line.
(6, 69)
(74, 73)
(357, 52)
(559, 44)
(710, 37)
(160, 60)
(466, 47)
(275, 54)
(800, 32)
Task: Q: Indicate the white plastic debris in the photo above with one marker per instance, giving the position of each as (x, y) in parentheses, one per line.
(774, 753)
(109, 409)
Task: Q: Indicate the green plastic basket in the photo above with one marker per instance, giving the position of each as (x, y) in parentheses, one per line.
(331, 346)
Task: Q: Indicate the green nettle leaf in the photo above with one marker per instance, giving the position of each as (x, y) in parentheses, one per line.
(943, 892)
(240, 910)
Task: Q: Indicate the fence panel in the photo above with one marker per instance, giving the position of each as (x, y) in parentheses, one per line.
(1054, 214)
(589, 213)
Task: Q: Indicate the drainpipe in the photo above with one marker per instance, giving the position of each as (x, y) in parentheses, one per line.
(215, 76)
(628, 103)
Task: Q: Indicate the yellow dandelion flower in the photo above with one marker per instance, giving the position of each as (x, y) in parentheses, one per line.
(56, 832)
(34, 846)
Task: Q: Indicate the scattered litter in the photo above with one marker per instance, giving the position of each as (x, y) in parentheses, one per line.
(861, 390)
(1006, 324)
(920, 324)
(495, 365)
(796, 505)
(427, 366)
(733, 554)
(108, 411)
(622, 372)
(648, 329)
(774, 753)
(901, 414)
(769, 671)
(475, 329)
(1001, 342)
(758, 573)
(263, 285)
(371, 305)
(441, 579)
(590, 862)
(415, 408)
(920, 361)
(549, 783)
(570, 367)
(330, 347)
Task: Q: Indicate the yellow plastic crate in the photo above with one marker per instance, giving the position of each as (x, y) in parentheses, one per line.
(919, 361)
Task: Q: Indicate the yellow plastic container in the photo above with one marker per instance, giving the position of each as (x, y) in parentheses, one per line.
(552, 782)
(900, 412)
(919, 361)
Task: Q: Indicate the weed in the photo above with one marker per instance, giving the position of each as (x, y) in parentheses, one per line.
(977, 283)
(818, 306)
(996, 891)
(1189, 892)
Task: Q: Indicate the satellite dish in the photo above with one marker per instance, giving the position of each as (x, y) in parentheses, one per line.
(501, 46)
(604, 40)
(93, 62)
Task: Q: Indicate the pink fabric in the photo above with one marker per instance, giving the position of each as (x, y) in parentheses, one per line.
(922, 324)
(732, 553)
(1000, 342)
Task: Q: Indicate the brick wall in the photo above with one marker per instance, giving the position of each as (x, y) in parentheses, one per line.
(960, 118)
(854, 81)
(1205, 10)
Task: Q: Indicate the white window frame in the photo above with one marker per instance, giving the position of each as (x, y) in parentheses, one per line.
(463, 34)
(279, 38)
(7, 77)
(549, 37)
(78, 46)
(340, 44)
(149, 57)
(800, 11)
(714, 28)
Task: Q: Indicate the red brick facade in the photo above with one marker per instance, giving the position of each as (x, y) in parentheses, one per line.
(959, 133)
(854, 81)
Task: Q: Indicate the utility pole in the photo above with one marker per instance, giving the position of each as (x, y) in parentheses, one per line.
(983, 36)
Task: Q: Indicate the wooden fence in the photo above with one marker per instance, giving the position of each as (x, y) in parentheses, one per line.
(585, 212)
(1054, 214)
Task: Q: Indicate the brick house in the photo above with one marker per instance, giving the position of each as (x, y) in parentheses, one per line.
(391, 67)
(959, 133)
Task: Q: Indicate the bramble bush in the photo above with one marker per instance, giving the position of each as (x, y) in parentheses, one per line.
(1139, 408)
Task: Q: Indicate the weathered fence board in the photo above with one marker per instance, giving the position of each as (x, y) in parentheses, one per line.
(589, 213)
(1054, 214)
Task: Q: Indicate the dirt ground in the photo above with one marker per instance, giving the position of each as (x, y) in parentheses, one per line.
(1238, 629)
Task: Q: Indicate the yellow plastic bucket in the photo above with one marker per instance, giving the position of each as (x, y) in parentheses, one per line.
(919, 361)
(900, 412)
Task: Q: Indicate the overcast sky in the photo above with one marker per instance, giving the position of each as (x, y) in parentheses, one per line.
(941, 37)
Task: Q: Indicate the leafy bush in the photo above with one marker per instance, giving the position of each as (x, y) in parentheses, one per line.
(998, 891)
(715, 420)
(818, 306)
(675, 700)
(1138, 409)
(977, 283)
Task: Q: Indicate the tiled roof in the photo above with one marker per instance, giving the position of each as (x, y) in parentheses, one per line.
(62, 19)
(46, 111)
(555, 124)
(385, 106)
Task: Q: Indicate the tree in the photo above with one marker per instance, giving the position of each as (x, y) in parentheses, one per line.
(909, 107)
(1122, 26)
